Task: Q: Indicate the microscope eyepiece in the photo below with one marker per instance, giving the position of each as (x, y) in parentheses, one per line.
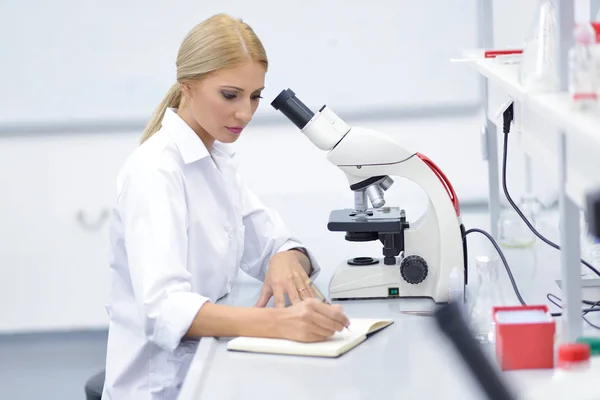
(293, 108)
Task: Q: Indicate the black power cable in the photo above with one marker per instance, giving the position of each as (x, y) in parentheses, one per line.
(508, 271)
(508, 116)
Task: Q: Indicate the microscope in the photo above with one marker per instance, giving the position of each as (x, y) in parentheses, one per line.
(419, 259)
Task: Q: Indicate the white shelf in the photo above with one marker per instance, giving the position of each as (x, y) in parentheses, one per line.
(504, 75)
(553, 110)
(556, 108)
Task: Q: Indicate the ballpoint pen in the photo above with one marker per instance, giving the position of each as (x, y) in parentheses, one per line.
(318, 293)
(420, 313)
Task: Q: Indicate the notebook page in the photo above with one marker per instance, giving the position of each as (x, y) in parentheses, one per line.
(339, 342)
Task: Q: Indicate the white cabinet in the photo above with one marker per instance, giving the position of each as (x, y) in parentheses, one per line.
(57, 191)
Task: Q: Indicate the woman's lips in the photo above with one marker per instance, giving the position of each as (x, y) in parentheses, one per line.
(235, 129)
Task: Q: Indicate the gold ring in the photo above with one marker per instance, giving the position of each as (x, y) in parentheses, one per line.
(300, 290)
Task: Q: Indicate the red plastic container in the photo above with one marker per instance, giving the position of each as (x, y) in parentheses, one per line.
(524, 345)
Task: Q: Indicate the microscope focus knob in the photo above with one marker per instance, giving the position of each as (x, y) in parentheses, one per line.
(413, 269)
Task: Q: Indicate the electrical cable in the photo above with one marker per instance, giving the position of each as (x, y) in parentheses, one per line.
(585, 311)
(508, 271)
(516, 289)
(508, 118)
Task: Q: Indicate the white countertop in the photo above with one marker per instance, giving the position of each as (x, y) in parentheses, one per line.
(408, 360)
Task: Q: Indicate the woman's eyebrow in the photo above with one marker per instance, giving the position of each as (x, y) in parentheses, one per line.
(240, 89)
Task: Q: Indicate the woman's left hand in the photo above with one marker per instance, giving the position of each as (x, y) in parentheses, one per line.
(285, 275)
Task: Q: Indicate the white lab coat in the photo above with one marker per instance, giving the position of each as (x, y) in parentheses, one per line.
(183, 225)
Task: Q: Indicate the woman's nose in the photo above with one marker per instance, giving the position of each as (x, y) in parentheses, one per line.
(244, 112)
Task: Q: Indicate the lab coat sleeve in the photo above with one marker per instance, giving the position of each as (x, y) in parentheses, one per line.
(153, 211)
(265, 236)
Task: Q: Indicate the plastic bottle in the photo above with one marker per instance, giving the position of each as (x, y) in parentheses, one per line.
(538, 62)
(575, 376)
(582, 70)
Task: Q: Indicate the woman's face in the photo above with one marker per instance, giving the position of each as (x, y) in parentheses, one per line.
(222, 104)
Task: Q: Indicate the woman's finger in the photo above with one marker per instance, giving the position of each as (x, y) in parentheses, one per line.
(278, 296)
(329, 324)
(303, 289)
(265, 295)
(319, 330)
(333, 312)
(288, 287)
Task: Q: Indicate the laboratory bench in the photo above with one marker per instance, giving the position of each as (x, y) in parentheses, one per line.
(409, 359)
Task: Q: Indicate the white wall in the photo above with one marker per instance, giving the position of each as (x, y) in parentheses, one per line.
(54, 260)
(54, 265)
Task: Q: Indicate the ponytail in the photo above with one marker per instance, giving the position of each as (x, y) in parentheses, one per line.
(171, 100)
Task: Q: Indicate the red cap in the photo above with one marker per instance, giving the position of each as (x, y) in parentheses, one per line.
(574, 352)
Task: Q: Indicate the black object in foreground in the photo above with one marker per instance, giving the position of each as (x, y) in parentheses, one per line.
(450, 321)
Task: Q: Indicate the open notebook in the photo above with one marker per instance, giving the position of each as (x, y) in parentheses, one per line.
(335, 346)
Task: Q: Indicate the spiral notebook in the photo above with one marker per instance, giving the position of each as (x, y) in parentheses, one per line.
(335, 346)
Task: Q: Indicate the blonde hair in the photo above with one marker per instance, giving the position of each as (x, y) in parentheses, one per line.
(215, 43)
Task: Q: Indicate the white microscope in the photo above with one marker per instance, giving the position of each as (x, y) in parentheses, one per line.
(419, 258)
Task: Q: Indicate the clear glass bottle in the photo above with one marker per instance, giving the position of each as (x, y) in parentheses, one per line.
(488, 295)
(512, 230)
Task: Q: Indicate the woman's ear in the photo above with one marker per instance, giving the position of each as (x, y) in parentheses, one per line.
(186, 89)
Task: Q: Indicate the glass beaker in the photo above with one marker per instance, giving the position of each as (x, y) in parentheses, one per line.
(512, 230)
(489, 295)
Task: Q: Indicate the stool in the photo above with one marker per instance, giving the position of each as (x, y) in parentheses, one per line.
(94, 386)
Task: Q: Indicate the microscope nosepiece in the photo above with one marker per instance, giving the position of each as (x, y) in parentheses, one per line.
(386, 183)
(293, 108)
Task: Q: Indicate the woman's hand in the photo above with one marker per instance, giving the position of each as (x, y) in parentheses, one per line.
(285, 275)
(311, 321)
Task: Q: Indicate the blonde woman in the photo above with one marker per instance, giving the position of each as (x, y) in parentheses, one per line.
(185, 223)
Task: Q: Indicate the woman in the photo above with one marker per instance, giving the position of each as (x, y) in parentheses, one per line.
(184, 224)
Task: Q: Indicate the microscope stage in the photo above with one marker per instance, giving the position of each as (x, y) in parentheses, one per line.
(385, 219)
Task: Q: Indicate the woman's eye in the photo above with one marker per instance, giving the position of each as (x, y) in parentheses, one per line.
(256, 97)
(228, 96)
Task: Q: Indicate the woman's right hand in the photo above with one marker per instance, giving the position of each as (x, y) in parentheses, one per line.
(311, 320)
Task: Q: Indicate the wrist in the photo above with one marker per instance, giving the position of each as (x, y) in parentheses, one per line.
(302, 256)
(269, 325)
(276, 324)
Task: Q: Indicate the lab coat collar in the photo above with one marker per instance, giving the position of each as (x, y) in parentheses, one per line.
(189, 144)
(224, 148)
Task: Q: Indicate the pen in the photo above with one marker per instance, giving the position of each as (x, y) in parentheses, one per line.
(420, 313)
(318, 293)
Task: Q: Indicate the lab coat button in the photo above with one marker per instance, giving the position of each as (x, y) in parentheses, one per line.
(231, 233)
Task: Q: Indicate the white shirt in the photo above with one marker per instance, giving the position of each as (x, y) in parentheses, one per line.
(183, 225)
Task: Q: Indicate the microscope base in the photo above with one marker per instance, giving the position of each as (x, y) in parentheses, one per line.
(380, 281)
